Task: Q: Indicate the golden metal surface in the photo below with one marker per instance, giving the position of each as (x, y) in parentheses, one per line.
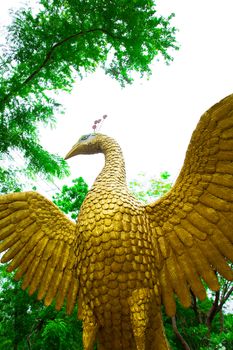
(123, 259)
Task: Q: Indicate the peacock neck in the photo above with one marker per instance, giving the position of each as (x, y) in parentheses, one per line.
(113, 172)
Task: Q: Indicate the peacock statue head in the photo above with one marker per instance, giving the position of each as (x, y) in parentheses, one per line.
(87, 144)
(91, 143)
(114, 168)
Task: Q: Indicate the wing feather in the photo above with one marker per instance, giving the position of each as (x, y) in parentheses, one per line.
(192, 225)
(202, 267)
(4, 213)
(178, 280)
(226, 226)
(222, 243)
(72, 296)
(55, 282)
(37, 276)
(167, 292)
(38, 241)
(17, 256)
(9, 241)
(216, 260)
(193, 230)
(30, 271)
(184, 236)
(191, 275)
(63, 288)
(28, 258)
(15, 248)
(46, 279)
(5, 222)
(176, 244)
(27, 230)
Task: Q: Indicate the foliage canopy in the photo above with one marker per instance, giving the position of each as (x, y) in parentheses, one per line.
(25, 323)
(70, 199)
(148, 190)
(48, 46)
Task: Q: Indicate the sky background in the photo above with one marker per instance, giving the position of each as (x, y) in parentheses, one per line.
(152, 119)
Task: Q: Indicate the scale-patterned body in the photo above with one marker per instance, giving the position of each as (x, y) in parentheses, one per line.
(116, 268)
(122, 259)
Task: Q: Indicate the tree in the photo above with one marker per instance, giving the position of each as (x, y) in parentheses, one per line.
(48, 47)
(190, 329)
(9, 181)
(25, 323)
(70, 199)
(147, 190)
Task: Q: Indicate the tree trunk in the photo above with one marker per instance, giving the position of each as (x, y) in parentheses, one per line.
(212, 312)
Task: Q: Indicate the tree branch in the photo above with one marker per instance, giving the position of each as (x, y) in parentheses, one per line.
(50, 53)
(178, 335)
(221, 318)
(55, 46)
(224, 299)
(195, 307)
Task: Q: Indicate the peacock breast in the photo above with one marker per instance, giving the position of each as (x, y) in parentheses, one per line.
(116, 254)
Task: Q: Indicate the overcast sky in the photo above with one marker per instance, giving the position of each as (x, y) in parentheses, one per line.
(153, 120)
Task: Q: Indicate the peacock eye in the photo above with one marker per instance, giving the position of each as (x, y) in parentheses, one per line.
(84, 137)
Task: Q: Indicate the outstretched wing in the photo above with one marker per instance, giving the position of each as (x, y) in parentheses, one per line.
(39, 240)
(192, 225)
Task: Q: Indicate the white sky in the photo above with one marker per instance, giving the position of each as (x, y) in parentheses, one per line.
(153, 120)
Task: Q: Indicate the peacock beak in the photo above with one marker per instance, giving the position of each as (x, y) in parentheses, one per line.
(73, 152)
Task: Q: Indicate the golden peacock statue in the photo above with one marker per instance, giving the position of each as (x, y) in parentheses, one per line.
(122, 260)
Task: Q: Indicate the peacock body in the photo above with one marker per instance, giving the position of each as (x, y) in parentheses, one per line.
(115, 259)
(123, 260)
